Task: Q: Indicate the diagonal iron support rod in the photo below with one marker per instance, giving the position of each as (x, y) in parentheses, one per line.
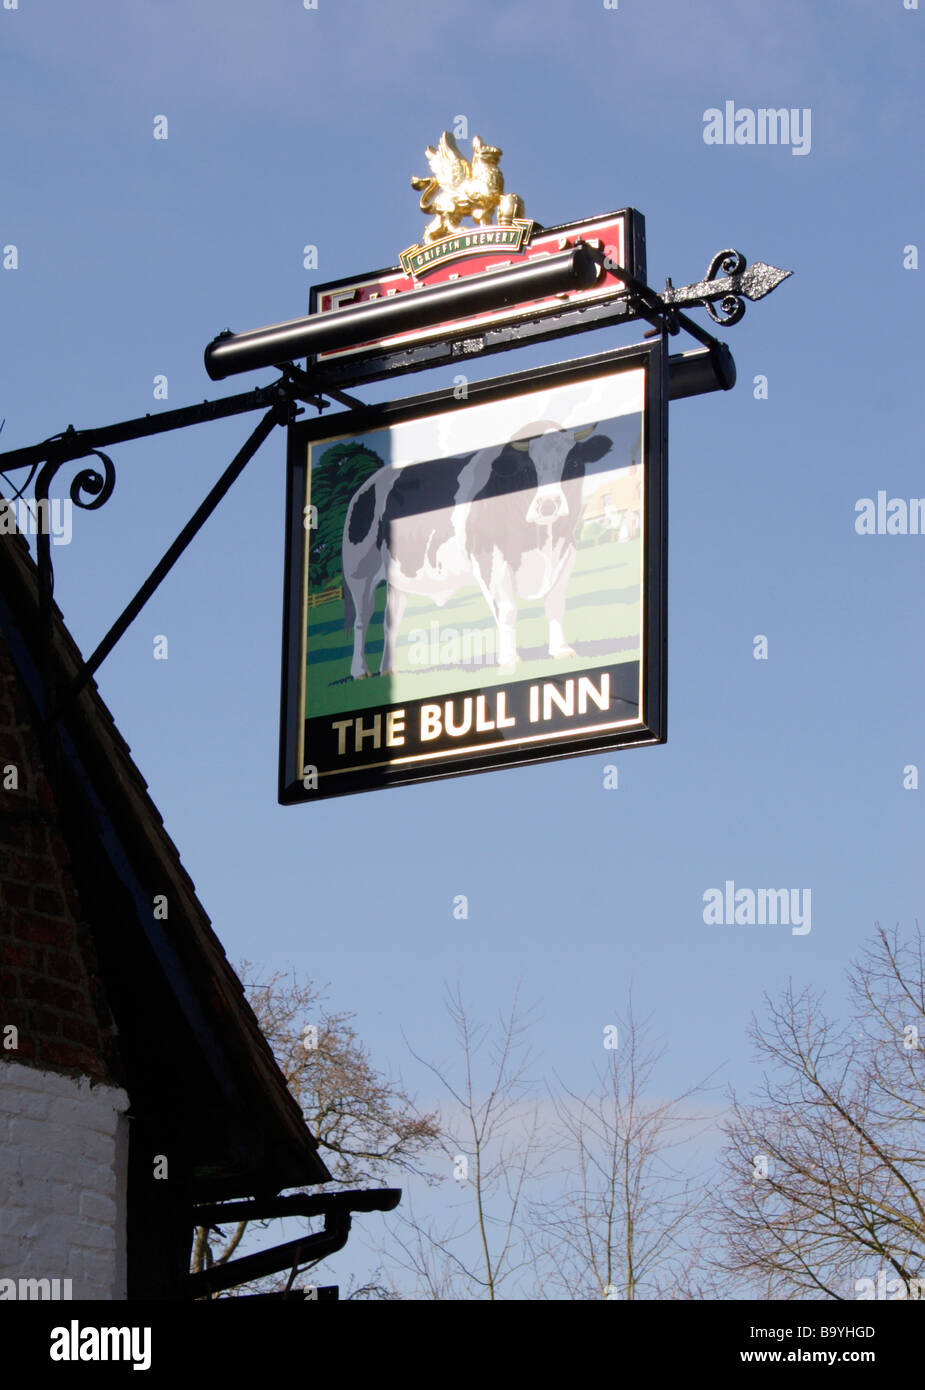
(276, 415)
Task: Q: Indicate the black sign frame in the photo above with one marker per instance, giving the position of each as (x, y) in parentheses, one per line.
(301, 778)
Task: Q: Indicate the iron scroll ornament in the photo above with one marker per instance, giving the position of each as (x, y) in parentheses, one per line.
(731, 306)
(89, 488)
(99, 487)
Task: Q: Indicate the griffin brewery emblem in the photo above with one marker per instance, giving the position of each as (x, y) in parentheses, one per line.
(456, 188)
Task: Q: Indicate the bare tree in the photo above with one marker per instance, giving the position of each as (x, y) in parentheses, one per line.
(492, 1152)
(364, 1121)
(824, 1171)
(625, 1223)
(366, 1125)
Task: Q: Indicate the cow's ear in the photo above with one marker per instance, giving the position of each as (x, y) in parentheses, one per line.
(590, 450)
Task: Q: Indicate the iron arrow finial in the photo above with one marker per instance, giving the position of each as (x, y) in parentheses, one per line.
(732, 288)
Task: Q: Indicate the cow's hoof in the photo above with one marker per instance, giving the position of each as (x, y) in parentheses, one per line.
(562, 652)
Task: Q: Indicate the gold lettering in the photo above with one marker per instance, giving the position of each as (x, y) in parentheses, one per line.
(395, 728)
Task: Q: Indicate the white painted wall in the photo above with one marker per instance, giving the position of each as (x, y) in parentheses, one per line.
(63, 1181)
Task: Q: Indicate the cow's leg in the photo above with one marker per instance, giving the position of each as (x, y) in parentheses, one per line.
(363, 594)
(555, 609)
(499, 591)
(394, 612)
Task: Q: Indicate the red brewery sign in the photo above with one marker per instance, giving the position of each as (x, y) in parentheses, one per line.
(619, 236)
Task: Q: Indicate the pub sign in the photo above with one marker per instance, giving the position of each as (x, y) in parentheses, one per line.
(479, 582)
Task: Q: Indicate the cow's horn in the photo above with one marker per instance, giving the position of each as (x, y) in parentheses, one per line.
(530, 432)
(586, 432)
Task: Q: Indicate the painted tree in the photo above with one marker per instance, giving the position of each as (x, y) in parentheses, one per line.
(342, 469)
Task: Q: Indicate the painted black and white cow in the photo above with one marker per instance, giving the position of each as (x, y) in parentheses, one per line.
(505, 518)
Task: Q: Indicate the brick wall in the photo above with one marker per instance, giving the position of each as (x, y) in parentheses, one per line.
(63, 1131)
(48, 984)
(63, 1174)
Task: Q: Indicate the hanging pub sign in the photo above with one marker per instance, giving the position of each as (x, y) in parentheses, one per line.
(477, 583)
(475, 578)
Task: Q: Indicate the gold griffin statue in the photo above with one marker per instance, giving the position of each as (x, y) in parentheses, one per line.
(456, 189)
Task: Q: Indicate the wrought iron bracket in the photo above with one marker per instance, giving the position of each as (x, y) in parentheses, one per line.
(77, 444)
(739, 283)
(282, 412)
(92, 487)
(641, 302)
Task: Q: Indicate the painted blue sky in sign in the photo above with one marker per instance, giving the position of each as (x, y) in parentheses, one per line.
(289, 128)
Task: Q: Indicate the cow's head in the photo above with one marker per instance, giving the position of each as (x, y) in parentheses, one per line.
(559, 457)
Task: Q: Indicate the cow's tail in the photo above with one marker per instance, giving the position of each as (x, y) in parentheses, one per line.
(350, 611)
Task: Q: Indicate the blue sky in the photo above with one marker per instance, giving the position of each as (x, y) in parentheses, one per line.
(288, 127)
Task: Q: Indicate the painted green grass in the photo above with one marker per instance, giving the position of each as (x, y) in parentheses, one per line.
(602, 623)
